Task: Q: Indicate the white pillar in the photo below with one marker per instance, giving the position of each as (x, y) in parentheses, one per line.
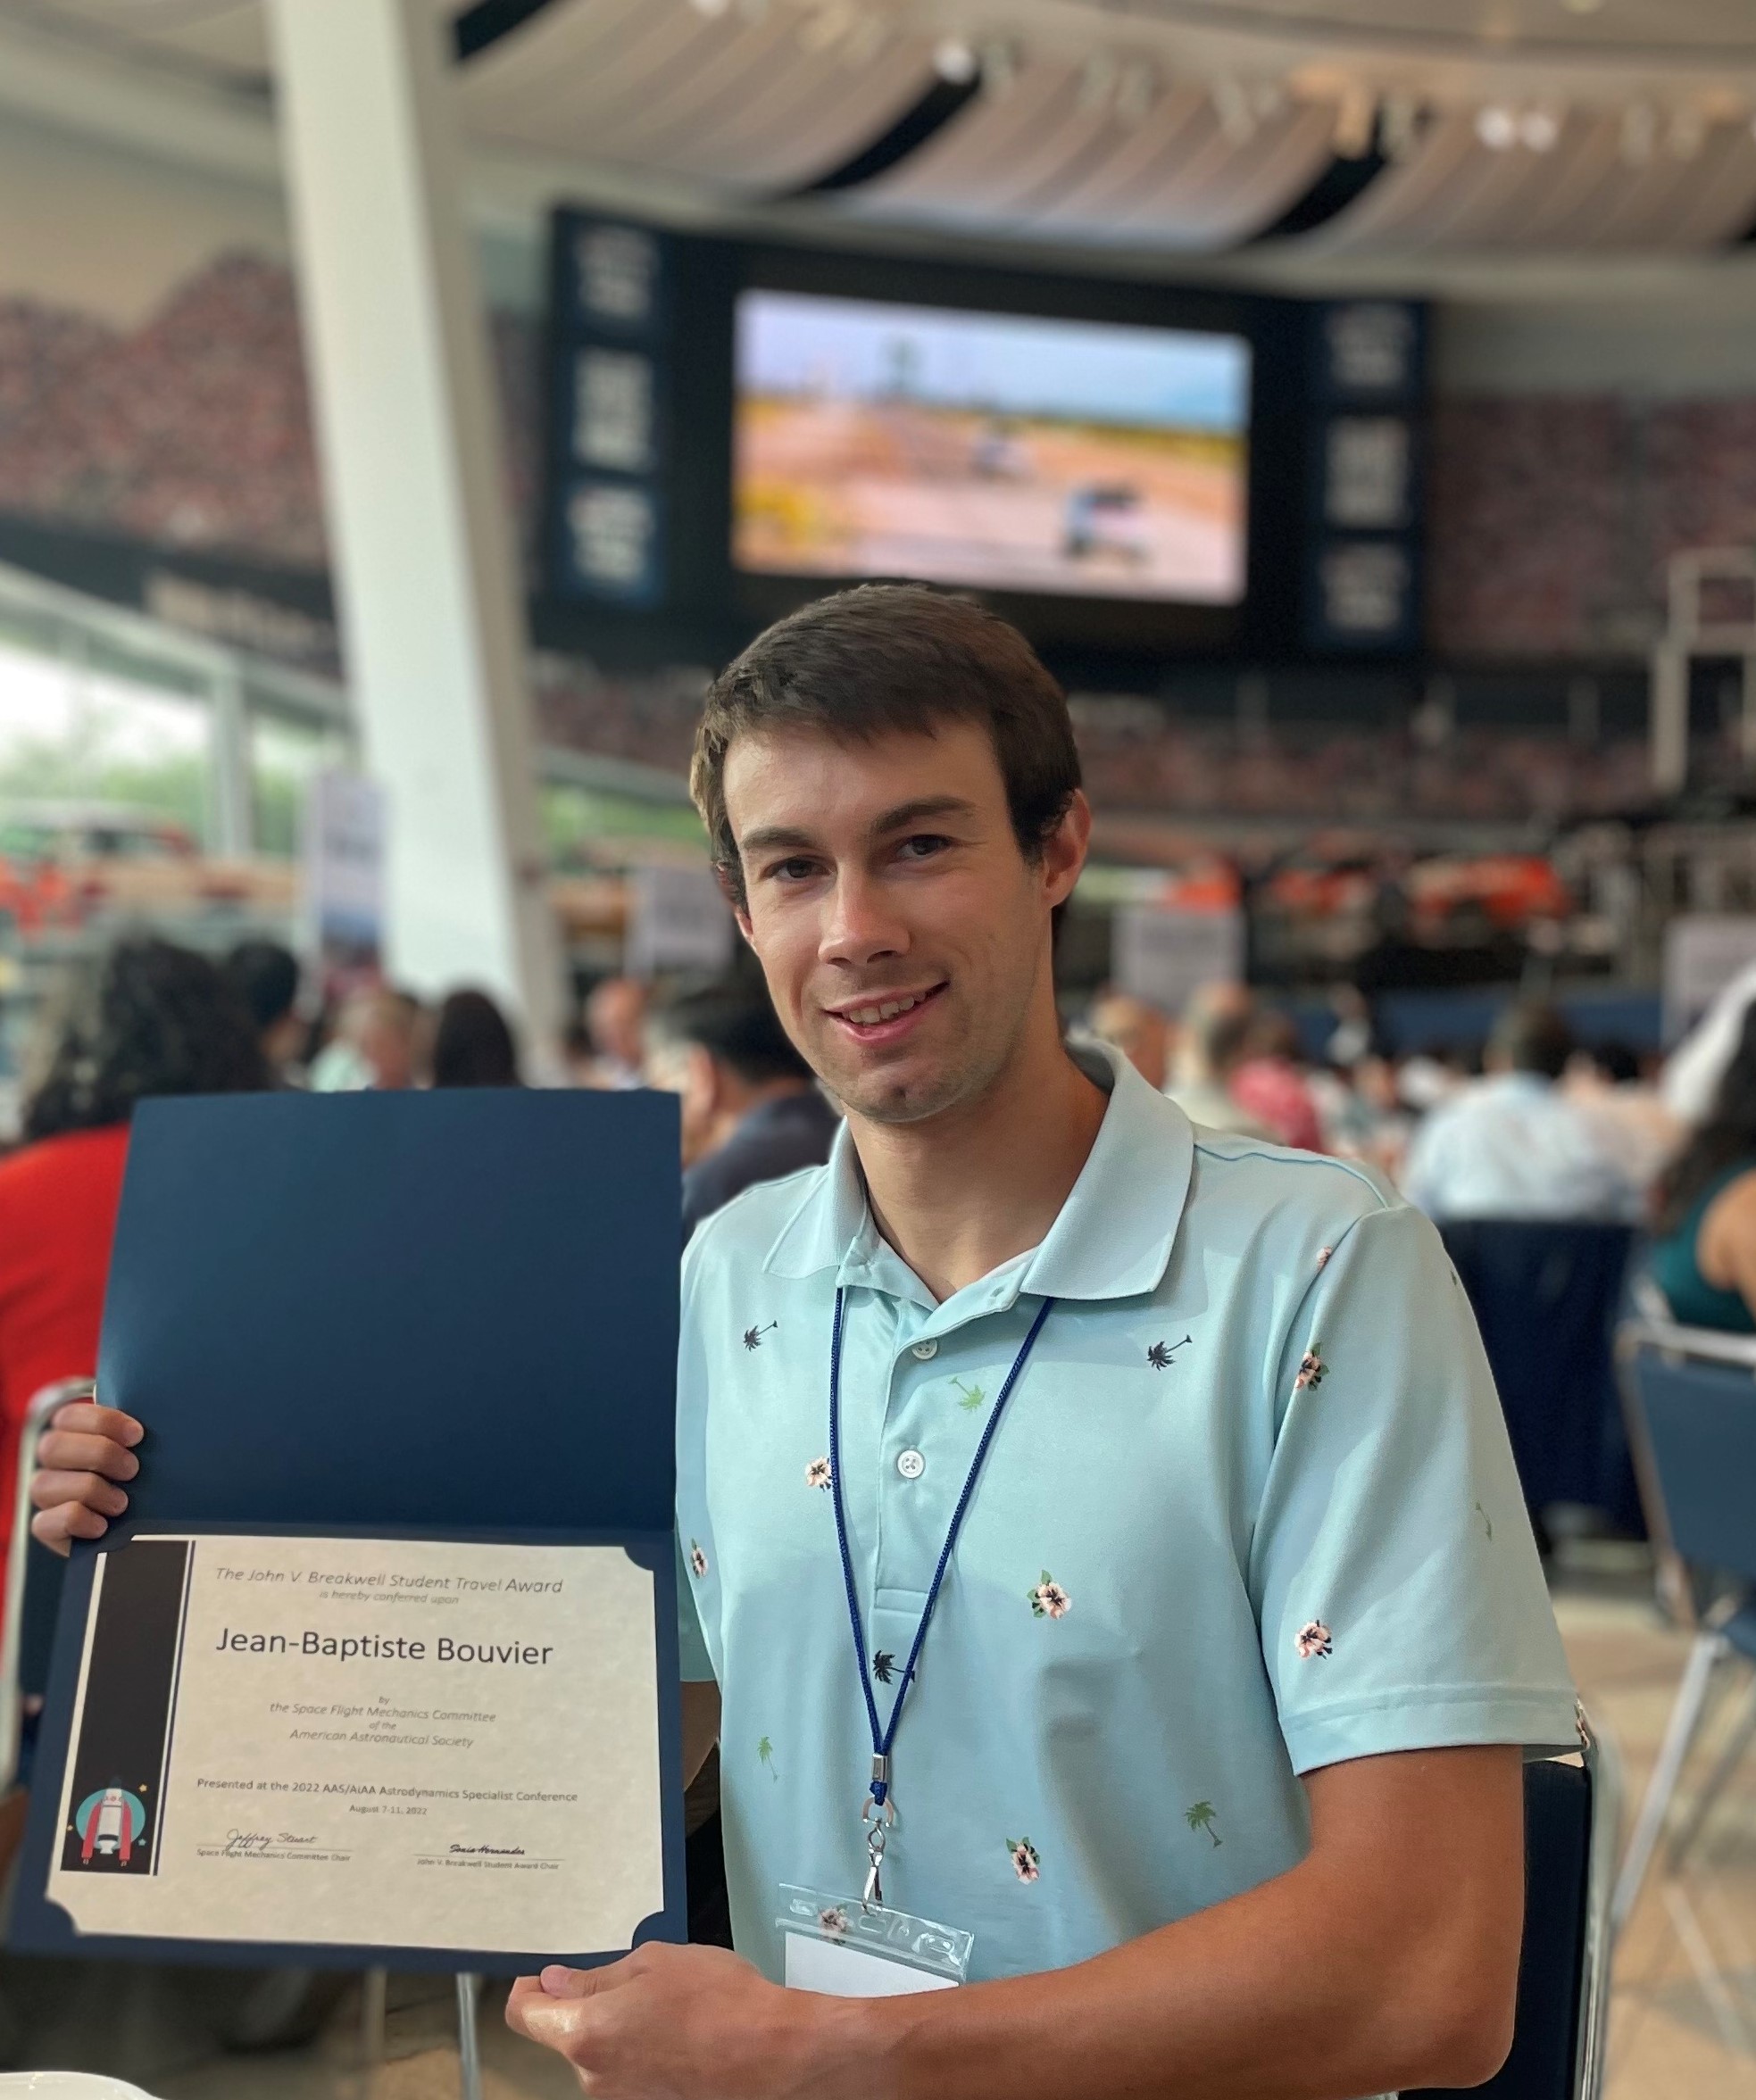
(1668, 713)
(414, 495)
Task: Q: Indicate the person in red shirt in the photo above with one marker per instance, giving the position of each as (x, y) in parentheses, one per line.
(151, 1019)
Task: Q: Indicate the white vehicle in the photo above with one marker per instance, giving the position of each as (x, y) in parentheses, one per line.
(1105, 519)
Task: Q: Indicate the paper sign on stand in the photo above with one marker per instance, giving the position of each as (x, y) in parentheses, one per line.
(678, 920)
(1703, 952)
(1162, 953)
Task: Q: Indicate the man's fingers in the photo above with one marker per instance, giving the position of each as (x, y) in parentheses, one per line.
(562, 2024)
(49, 1491)
(57, 1528)
(71, 1450)
(88, 1419)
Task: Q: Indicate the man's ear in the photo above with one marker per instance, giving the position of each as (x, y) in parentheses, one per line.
(1065, 848)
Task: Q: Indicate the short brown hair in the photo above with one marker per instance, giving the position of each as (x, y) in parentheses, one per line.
(885, 658)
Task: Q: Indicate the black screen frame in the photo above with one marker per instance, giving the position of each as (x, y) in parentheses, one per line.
(711, 608)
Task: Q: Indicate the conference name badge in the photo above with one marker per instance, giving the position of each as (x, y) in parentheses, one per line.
(846, 1948)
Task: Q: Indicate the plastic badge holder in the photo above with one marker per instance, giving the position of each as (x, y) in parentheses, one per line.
(839, 1945)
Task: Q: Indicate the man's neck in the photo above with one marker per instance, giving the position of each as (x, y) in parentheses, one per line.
(960, 1193)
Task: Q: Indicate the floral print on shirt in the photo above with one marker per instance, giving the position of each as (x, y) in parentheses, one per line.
(1313, 1640)
(698, 1560)
(1026, 1864)
(1311, 1368)
(817, 1473)
(1048, 1599)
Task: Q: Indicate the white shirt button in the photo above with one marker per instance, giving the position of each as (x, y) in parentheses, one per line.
(925, 1350)
(911, 1464)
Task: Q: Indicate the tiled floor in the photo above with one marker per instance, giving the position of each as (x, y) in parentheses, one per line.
(1671, 2036)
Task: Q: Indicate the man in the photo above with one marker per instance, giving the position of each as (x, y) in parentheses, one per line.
(1211, 1741)
(1138, 1030)
(752, 1111)
(615, 1017)
(377, 1043)
(1512, 1145)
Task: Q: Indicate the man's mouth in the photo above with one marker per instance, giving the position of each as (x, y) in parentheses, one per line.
(884, 1016)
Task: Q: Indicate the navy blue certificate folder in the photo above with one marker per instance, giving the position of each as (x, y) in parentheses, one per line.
(447, 1315)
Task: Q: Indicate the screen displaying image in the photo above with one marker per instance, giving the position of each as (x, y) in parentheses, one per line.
(992, 450)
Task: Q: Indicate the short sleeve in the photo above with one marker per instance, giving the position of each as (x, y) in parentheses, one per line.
(1397, 1587)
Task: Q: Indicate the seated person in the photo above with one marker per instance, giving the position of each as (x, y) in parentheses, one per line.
(265, 976)
(151, 1019)
(1512, 1145)
(1703, 1255)
(751, 1109)
(473, 1044)
(1137, 1028)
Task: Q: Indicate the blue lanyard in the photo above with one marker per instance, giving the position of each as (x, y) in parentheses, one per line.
(884, 1734)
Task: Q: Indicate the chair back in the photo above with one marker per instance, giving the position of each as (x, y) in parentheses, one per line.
(1691, 1397)
(34, 1577)
(1546, 1297)
(1570, 1820)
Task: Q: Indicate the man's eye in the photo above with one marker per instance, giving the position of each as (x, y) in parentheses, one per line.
(796, 870)
(922, 846)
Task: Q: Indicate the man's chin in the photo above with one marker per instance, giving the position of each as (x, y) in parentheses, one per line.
(901, 1096)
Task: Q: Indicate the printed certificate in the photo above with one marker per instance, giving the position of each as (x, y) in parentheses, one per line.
(364, 1742)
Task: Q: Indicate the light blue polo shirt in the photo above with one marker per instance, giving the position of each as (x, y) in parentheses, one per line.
(1251, 1510)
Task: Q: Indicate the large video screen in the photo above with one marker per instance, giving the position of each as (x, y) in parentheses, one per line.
(998, 451)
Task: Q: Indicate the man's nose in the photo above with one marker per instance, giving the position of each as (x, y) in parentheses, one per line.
(861, 926)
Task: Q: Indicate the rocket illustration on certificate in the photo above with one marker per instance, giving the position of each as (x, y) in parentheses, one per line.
(283, 1740)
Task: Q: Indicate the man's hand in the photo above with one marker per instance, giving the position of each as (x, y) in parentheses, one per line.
(83, 1453)
(680, 2023)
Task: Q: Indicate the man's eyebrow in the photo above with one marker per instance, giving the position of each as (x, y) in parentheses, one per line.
(908, 813)
(769, 838)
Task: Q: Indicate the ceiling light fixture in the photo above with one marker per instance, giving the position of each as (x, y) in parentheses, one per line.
(711, 9)
(1539, 129)
(1497, 127)
(955, 61)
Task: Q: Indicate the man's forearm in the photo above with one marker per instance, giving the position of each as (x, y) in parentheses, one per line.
(1344, 1976)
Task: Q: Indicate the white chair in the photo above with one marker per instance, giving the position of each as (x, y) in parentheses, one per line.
(65, 2085)
(42, 1404)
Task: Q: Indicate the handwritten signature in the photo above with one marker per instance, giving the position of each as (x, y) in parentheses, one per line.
(502, 1851)
(243, 1842)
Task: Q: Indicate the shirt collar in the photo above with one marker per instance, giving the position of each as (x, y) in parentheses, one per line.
(1112, 1238)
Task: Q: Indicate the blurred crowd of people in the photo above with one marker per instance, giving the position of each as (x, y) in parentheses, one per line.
(1534, 1127)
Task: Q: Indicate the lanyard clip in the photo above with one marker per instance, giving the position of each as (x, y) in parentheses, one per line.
(879, 1803)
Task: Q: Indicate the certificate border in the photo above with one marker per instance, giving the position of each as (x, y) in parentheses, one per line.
(39, 1926)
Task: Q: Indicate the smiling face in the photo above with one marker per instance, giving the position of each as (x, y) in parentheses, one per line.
(903, 933)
